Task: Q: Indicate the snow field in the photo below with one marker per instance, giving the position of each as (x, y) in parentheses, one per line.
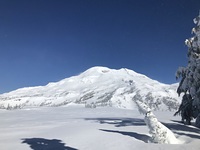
(76, 127)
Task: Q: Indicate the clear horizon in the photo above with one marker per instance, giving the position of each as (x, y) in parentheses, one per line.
(47, 41)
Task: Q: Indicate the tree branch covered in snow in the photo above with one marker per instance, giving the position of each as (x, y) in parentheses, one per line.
(159, 133)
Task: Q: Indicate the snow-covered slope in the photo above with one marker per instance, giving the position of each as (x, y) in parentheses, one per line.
(97, 86)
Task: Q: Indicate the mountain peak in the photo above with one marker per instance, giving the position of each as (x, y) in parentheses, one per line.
(97, 86)
(95, 70)
(98, 69)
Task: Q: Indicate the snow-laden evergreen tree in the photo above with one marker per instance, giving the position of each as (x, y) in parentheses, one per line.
(159, 133)
(185, 109)
(190, 75)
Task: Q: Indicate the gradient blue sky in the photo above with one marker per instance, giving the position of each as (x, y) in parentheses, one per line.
(44, 41)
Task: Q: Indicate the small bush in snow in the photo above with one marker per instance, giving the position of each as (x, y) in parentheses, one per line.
(159, 133)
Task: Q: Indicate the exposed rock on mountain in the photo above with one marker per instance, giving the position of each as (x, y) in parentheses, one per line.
(97, 86)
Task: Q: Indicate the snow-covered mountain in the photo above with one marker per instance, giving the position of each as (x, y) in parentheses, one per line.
(97, 86)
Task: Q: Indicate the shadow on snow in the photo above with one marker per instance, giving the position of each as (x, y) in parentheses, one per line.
(123, 122)
(181, 129)
(46, 144)
(141, 137)
(176, 127)
(119, 122)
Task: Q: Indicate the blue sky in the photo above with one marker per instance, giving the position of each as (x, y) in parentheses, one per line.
(45, 41)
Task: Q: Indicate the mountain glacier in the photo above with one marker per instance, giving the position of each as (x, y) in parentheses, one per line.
(96, 87)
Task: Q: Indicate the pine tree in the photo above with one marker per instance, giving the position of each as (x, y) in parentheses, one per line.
(190, 75)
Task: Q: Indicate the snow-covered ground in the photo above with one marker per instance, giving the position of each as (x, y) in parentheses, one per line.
(29, 123)
(77, 127)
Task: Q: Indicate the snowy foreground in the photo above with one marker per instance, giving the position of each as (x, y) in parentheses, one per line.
(76, 127)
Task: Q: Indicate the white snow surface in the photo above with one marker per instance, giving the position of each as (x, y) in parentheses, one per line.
(97, 86)
(76, 127)
(71, 126)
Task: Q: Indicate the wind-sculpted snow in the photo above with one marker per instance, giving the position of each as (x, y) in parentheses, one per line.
(96, 87)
